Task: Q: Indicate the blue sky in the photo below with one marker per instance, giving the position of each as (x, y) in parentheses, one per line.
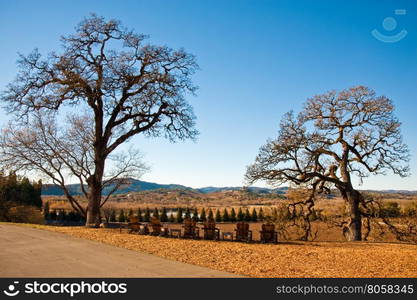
(258, 60)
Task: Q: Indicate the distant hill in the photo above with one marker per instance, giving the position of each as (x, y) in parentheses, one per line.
(133, 186)
(254, 189)
(405, 192)
(139, 186)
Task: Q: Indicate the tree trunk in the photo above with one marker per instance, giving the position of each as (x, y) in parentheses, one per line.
(93, 211)
(353, 231)
(94, 196)
(95, 184)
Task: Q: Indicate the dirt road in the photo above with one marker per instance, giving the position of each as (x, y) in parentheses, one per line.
(28, 252)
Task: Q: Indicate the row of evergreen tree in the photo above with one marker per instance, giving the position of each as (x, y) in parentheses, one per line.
(19, 190)
(20, 199)
(61, 215)
(181, 213)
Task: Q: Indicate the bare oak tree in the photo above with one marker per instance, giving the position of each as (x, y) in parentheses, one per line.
(126, 86)
(65, 152)
(336, 135)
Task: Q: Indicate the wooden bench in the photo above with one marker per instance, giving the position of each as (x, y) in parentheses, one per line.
(157, 228)
(191, 231)
(133, 226)
(268, 233)
(210, 230)
(243, 233)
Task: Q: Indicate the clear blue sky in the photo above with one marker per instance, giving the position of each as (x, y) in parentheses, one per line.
(258, 60)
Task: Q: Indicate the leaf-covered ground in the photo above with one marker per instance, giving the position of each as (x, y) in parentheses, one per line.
(310, 259)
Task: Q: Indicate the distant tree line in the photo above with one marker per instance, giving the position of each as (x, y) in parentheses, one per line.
(19, 197)
(179, 214)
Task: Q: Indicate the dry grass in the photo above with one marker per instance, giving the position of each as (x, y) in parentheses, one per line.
(316, 259)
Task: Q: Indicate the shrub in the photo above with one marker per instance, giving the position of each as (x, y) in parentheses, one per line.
(112, 217)
(187, 213)
(71, 216)
(247, 217)
(171, 218)
(411, 210)
(195, 215)
(139, 215)
(62, 215)
(261, 215)
(254, 216)
(25, 214)
(240, 215)
(218, 216)
(130, 214)
(155, 213)
(390, 210)
(225, 216)
(210, 215)
(122, 217)
(53, 215)
(164, 216)
(179, 218)
(233, 215)
(46, 210)
(203, 216)
(147, 216)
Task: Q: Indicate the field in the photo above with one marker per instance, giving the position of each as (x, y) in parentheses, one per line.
(290, 259)
(327, 206)
(229, 199)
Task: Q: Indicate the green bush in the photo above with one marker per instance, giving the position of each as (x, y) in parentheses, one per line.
(225, 216)
(164, 216)
(112, 217)
(240, 215)
(171, 218)
(210, 215)
(233, 215)
(139, 215)
(147, 216)
(187, 213)
(53, 215)
(195, 215)
(179, 218)
(46, 211)
(218, 216)
(247, 216)
(122, 217)
(61, 215)
(129, 214)
(17, 195)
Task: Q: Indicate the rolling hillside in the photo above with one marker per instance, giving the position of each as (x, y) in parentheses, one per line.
(139, 186)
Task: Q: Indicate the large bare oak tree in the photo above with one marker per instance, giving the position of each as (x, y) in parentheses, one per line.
(111, 82)
(335, 136)
(63, 153)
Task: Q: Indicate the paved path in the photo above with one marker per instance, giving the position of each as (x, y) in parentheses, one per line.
(29, 252)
